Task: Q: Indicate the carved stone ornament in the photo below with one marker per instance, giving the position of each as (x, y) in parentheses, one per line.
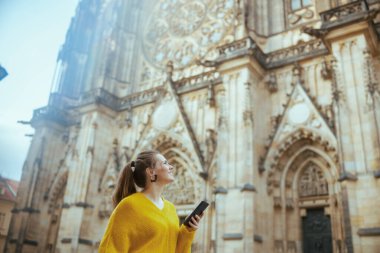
(271, 82)
(182, 30)
(210, 143)
(279, 246)
(292, 247)
(312, 182)
(300, 16)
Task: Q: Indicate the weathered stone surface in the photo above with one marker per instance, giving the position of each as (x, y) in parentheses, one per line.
(276, 128)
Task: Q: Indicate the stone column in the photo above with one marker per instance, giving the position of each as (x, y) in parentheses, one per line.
(79, 164)
(358, 138)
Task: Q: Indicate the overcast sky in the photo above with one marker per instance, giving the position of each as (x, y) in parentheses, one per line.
(31, 33)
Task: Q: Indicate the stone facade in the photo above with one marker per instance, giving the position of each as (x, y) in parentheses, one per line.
(270, 110)
(8, 192)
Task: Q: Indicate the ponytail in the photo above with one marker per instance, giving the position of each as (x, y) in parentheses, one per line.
(125, 185)
(134, 174)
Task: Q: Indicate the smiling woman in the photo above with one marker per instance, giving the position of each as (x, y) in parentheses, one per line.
(145, 221)
(30, 68)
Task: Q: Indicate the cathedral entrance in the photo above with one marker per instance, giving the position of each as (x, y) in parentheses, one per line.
(316, 231)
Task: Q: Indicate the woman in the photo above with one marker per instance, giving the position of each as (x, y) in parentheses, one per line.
(144, 222)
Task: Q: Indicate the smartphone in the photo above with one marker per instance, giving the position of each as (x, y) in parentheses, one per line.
(197, 211)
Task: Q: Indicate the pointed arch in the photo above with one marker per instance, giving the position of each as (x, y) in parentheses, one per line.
(298, 152)
(299, 147)
(295, 140)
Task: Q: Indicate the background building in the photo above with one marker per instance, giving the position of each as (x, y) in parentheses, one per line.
(268, 109)
(8, 192)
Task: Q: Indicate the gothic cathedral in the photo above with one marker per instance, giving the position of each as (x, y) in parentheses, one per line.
(269, 109)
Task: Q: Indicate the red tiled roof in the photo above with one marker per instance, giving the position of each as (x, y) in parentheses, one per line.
(8, 189)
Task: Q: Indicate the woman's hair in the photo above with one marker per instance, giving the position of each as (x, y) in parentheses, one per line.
(134, 173)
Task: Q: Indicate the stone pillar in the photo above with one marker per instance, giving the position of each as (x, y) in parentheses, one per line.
(79, 164)
(358, 134)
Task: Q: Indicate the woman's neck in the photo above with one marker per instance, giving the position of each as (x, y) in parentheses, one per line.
(154, 192)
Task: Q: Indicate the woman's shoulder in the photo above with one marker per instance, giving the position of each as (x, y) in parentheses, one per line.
(131, 201)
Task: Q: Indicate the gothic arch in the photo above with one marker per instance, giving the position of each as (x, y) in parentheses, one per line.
(288, 143)
(295, 153)
(300, 144)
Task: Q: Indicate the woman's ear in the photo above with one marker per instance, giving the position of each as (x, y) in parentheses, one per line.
(150, 171)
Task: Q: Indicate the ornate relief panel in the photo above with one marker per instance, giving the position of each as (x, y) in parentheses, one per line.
(181, 31)
(312, 182)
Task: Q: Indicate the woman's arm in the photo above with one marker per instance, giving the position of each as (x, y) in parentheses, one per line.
(186, 235)
(116, 238)
(185, 239)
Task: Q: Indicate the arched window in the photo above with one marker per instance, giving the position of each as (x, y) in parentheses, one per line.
(299, 4)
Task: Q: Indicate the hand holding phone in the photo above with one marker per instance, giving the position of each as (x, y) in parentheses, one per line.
(197, 211)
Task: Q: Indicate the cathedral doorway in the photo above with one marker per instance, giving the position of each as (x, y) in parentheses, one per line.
(316, 232)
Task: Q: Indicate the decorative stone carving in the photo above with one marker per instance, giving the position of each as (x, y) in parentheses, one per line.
(247, 114)
(291, 247)
(297, 74)
(222, 119)
(372, 87)
(295, 53)
(210, 96)
(289, 202)
(329, 116)
(128, 116)
(302, 119)
(312, 182)
(204, 79)
(346, 13)
(211, 142)
(200, 25)
(277, 202)
(337, 92)
(271, 82)
(278, 246)
(326, 70)
(300, 16)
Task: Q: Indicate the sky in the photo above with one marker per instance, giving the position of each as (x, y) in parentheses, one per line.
(31, 34)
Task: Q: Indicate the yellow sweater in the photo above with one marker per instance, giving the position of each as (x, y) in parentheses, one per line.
(139, 226)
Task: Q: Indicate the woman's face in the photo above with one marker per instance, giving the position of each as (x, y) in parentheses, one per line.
(163, 170)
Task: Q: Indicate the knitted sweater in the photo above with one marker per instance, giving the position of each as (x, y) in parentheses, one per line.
(139, 226)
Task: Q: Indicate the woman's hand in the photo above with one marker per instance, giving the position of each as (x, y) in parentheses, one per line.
(194, 222)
